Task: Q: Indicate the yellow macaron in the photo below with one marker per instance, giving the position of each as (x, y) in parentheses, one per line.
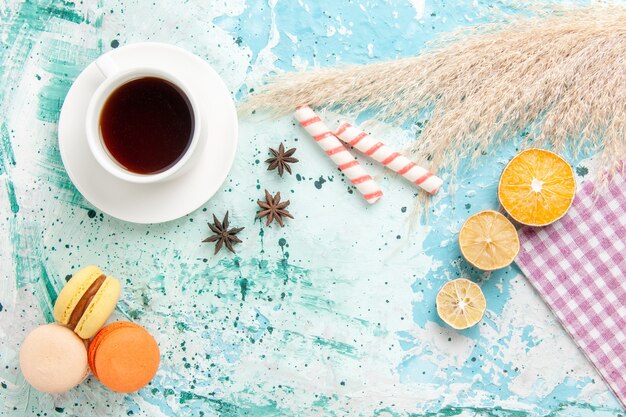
(87, 301)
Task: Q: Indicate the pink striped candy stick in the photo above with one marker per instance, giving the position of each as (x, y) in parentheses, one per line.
(388, 157)
(338, 153)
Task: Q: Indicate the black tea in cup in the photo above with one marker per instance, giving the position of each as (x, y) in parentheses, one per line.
(147, 125)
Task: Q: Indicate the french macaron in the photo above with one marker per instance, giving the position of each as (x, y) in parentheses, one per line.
(86, 301)
(124, 356)
(53, 359)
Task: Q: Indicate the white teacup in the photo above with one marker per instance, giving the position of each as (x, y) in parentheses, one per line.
(114, 78)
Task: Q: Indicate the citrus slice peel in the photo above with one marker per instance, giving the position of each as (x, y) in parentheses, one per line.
(488, 240)
(537, 187)
(461, 303)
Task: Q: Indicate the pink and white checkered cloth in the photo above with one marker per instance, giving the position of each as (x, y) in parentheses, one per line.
(578, 266)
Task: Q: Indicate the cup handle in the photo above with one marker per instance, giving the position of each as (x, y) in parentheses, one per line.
(107, 65)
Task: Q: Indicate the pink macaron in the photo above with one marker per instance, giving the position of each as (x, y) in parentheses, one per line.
(53, 359)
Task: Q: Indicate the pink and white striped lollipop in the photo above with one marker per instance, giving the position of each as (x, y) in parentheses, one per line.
(338, 153)
(388, 157)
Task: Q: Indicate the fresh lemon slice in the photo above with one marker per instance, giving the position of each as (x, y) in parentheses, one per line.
(537, 187)
(461, 303)
(488, 240)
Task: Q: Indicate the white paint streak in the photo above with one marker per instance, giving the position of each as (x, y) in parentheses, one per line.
(293, 38)
(525, 310)
(419, 6)
(264, 63)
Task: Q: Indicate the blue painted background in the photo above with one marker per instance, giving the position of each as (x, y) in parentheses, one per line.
(332, 314)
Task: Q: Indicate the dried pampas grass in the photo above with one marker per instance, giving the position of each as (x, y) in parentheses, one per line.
(561, 79)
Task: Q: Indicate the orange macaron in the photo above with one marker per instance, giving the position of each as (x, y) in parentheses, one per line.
(124, 356)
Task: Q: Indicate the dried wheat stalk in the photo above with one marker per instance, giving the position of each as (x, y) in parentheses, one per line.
(562, 78)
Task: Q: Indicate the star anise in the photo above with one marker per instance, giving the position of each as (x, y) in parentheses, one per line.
(223, 235)
(273, 208)
(281, 159)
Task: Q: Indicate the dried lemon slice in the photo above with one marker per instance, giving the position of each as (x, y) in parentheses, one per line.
(488, 240)
(461, 303)
(537, 187)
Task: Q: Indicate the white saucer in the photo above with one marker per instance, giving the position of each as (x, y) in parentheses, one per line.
(164, 201)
